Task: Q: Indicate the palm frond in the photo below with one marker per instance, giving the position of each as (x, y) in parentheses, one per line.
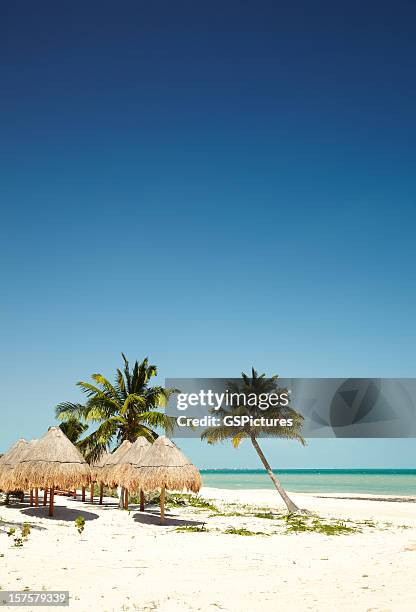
(105, 403)
(132, 400)
(219, 434)
(97, 442)
(238, 438)
(153, 418)
(127, 373)
(100, 379)
(120, 384)
(67, 410)
(88, 388)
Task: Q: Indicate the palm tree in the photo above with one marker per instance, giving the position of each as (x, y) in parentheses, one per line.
(257, 385)
(123, 411)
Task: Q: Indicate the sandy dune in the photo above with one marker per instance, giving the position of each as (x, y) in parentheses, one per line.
(127, 561)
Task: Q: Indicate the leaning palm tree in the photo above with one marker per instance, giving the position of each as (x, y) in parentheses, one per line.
(257, 385)
(123, 411)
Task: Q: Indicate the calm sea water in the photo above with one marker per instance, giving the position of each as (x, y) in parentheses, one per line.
(387, 482)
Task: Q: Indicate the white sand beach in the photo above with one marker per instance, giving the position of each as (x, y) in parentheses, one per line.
(125, 560)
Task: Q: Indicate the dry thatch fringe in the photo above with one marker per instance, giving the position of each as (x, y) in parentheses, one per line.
(7, 476)
(53, 462)
(172, 478)
(97, 467)
(164, 465)
(118, 474)
(9, 460)
(113, 458)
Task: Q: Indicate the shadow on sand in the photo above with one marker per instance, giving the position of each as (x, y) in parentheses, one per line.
(15, 505)
(105, 506)
(153, 518)
(61, 513)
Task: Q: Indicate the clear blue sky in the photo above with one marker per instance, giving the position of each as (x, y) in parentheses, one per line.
(214, 185)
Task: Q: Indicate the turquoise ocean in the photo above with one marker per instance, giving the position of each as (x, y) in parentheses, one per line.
(379, 482)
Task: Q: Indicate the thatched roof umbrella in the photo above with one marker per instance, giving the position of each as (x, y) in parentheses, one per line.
(10, 477)
(112, 459)
(9, 461)
(53, 462)
(122, 470)
(164, 466)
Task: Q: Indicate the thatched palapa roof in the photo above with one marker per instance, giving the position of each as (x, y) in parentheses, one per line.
(164, 465)
(112, 459)
(7, 476)
(28, 448)
(53, 462)
(8, 462)
(124, 468)
(13, 447)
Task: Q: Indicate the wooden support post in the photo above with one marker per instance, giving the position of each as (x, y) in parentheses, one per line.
(121, 498)
(101, 493)
(92, 492)
(162, 505)
(51, 495)
(126, 499)
(31, 497)
(45, 496)
(141, 501)
(36, 497)
(83, 494)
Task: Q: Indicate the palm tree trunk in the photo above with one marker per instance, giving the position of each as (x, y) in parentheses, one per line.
(290, 505)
